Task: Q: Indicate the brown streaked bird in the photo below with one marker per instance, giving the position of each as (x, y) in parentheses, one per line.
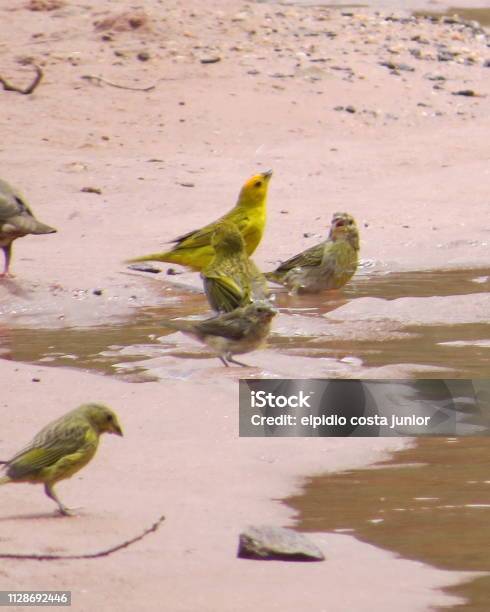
(233, 333)
(16, 221)
(328, 265)
(62, 448)
(231, 279)
(194, 249)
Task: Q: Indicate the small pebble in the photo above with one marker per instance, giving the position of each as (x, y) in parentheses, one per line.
(91, 190)
(210, 60)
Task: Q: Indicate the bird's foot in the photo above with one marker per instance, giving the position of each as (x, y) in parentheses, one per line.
(64, 511)
(240, 363)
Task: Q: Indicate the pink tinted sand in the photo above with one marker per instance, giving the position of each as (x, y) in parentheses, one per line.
(411, 164)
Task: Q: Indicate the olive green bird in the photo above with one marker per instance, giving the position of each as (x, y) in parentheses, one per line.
(328, 265)
(61, 449)
(231, 279)
(232, 333)
(16, 221)
(194, 249)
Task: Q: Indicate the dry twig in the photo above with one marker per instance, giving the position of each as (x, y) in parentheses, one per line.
(101, 553)
(99, 80)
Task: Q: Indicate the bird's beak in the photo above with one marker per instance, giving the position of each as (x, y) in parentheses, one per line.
(117, 430)
(267, 174)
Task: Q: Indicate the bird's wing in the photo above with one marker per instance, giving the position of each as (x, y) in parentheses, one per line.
(228, 326)
(202, 237)
(223, 293)
(194, 238)
(310, 258)
(48, 447)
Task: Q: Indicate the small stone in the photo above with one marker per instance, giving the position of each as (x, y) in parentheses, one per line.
(396, 66)
(350, 109)
(185, 184)
(277, 543)
(435, 77)
(144, 267)
(210, 60)
(173, 272)
(469, 93)
(97, 291)
(36, 380)
(143, 56)
(91, 190)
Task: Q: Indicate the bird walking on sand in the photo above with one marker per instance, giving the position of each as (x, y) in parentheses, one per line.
(231, 279)
(328, 265)
(61, 449)
(16, 221)
(232, 333)
(194, 249)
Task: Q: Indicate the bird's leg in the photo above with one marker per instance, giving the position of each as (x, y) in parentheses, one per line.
(240, 363)
(48, 489)
(7, 251)
(223, 360)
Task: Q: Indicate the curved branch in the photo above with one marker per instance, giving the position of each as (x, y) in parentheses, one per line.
(95, 555)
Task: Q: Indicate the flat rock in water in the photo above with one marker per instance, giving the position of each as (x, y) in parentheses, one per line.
(277, 543)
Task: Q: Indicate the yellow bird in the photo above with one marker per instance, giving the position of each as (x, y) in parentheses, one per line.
(194, 249)
(328, 265)
(16, 221)
(61, 449)
(231, 279)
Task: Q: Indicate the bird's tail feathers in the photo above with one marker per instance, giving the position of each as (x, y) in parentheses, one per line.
(152, 257)
(176, 324)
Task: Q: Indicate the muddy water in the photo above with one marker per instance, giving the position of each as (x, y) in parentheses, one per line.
(430, 503)
(419, 8)
(463, 348)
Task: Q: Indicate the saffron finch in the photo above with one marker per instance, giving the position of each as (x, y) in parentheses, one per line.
(62, 448)
(328, 265)
(194, 249)
(16, 220)
(240, 331)
(231, 279)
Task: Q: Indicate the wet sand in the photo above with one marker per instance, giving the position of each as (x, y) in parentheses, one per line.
(410, 163)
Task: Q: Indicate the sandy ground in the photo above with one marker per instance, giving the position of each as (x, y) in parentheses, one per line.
(297, 89)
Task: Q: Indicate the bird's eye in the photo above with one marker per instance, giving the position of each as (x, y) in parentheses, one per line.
(109, 418)
(258, 184)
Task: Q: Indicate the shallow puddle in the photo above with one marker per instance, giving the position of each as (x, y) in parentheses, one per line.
(430, 503)
(463, 348)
